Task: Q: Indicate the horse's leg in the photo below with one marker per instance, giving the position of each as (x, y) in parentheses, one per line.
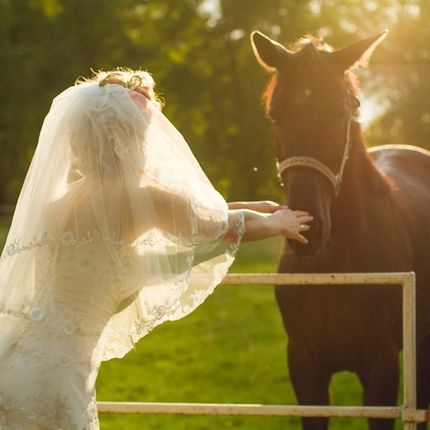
(423, 376)
(380, 379)
(310, 382)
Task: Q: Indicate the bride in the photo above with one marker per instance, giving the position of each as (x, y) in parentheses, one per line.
(116, 230)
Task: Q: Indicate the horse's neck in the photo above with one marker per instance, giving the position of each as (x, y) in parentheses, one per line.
(362, 186)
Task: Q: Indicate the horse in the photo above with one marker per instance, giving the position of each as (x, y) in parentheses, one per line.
(371, 212)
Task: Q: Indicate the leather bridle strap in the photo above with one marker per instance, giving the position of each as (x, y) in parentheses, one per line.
(312, 163)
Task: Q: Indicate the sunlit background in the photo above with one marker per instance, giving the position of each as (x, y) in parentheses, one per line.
(200, 56)
(231, 349)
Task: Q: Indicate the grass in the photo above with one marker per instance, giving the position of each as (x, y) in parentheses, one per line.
(230, 350)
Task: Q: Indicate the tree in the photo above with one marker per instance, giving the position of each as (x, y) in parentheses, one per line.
(205, 69)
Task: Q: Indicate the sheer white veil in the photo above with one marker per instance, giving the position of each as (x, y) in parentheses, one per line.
(112, 175)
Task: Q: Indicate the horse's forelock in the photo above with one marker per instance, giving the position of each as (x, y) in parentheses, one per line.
(308, 39)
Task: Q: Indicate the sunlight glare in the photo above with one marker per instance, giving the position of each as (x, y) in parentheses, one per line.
(211, 8)
(370, 109)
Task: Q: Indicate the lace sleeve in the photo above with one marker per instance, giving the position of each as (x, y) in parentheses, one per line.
(177, 215)
(154, 305)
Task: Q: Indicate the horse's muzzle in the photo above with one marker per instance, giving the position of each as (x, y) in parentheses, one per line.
(312, 249)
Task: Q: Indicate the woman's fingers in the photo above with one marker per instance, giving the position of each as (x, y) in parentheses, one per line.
(301, 229)
(301, 239)
(305, 218)
(270, 207)
(294, 224)
(300, 213)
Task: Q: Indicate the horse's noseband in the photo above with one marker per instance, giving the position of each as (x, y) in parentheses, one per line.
(312, 163)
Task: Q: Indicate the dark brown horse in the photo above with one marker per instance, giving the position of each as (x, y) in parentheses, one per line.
(372, 214)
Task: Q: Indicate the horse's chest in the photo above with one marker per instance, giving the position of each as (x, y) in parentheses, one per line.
(337, 322)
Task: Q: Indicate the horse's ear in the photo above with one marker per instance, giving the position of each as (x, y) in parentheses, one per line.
(357, 53)
(270, 54)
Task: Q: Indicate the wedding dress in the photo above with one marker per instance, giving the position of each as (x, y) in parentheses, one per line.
(116, 230)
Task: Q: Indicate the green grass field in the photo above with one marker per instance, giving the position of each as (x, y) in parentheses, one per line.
(230, 350)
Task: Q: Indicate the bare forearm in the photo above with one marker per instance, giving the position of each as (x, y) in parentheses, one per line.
(257, 226)
(237, 205)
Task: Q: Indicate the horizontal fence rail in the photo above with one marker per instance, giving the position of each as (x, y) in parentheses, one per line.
(235, 409)
(270, 279)
(407, 412)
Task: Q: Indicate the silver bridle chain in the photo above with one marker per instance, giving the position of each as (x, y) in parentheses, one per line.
(312, 163)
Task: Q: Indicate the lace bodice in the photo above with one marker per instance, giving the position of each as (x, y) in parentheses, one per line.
(60, 336)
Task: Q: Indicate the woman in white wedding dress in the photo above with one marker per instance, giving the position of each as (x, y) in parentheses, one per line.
(116, 230)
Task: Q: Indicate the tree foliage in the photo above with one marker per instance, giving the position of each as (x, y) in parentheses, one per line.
(200, 56)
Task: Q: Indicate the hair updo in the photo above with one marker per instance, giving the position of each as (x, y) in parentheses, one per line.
(106, 123)
(136, 80)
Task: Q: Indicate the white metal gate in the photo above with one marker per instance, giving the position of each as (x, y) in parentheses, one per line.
(407, 412)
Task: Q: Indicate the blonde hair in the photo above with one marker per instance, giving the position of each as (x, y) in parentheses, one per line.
(137, 80)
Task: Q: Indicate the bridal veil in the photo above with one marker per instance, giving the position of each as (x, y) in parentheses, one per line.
(110, 169)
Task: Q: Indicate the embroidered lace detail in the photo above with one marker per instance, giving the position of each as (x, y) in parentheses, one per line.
(112, 348)
(54, 416)
(68, 239)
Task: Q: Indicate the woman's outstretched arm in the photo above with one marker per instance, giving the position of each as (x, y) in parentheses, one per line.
(174, 215)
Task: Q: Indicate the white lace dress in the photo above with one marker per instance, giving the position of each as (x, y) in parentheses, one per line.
(49, 361)
(116, 229)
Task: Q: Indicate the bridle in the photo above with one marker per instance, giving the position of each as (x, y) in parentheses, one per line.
(312, 163)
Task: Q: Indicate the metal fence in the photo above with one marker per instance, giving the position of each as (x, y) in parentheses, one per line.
(407, 412)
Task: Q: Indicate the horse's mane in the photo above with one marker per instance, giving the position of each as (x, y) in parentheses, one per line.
(374, 179)
(312, 58)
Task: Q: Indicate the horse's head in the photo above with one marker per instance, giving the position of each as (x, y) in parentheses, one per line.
(311, 102)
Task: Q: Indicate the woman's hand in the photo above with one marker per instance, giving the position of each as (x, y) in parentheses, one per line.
(291, 224)
(264, 206)
(285, 222)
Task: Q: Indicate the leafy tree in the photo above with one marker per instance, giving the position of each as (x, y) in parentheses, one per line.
(205, 69)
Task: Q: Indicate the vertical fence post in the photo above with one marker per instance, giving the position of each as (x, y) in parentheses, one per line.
(409, 348)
